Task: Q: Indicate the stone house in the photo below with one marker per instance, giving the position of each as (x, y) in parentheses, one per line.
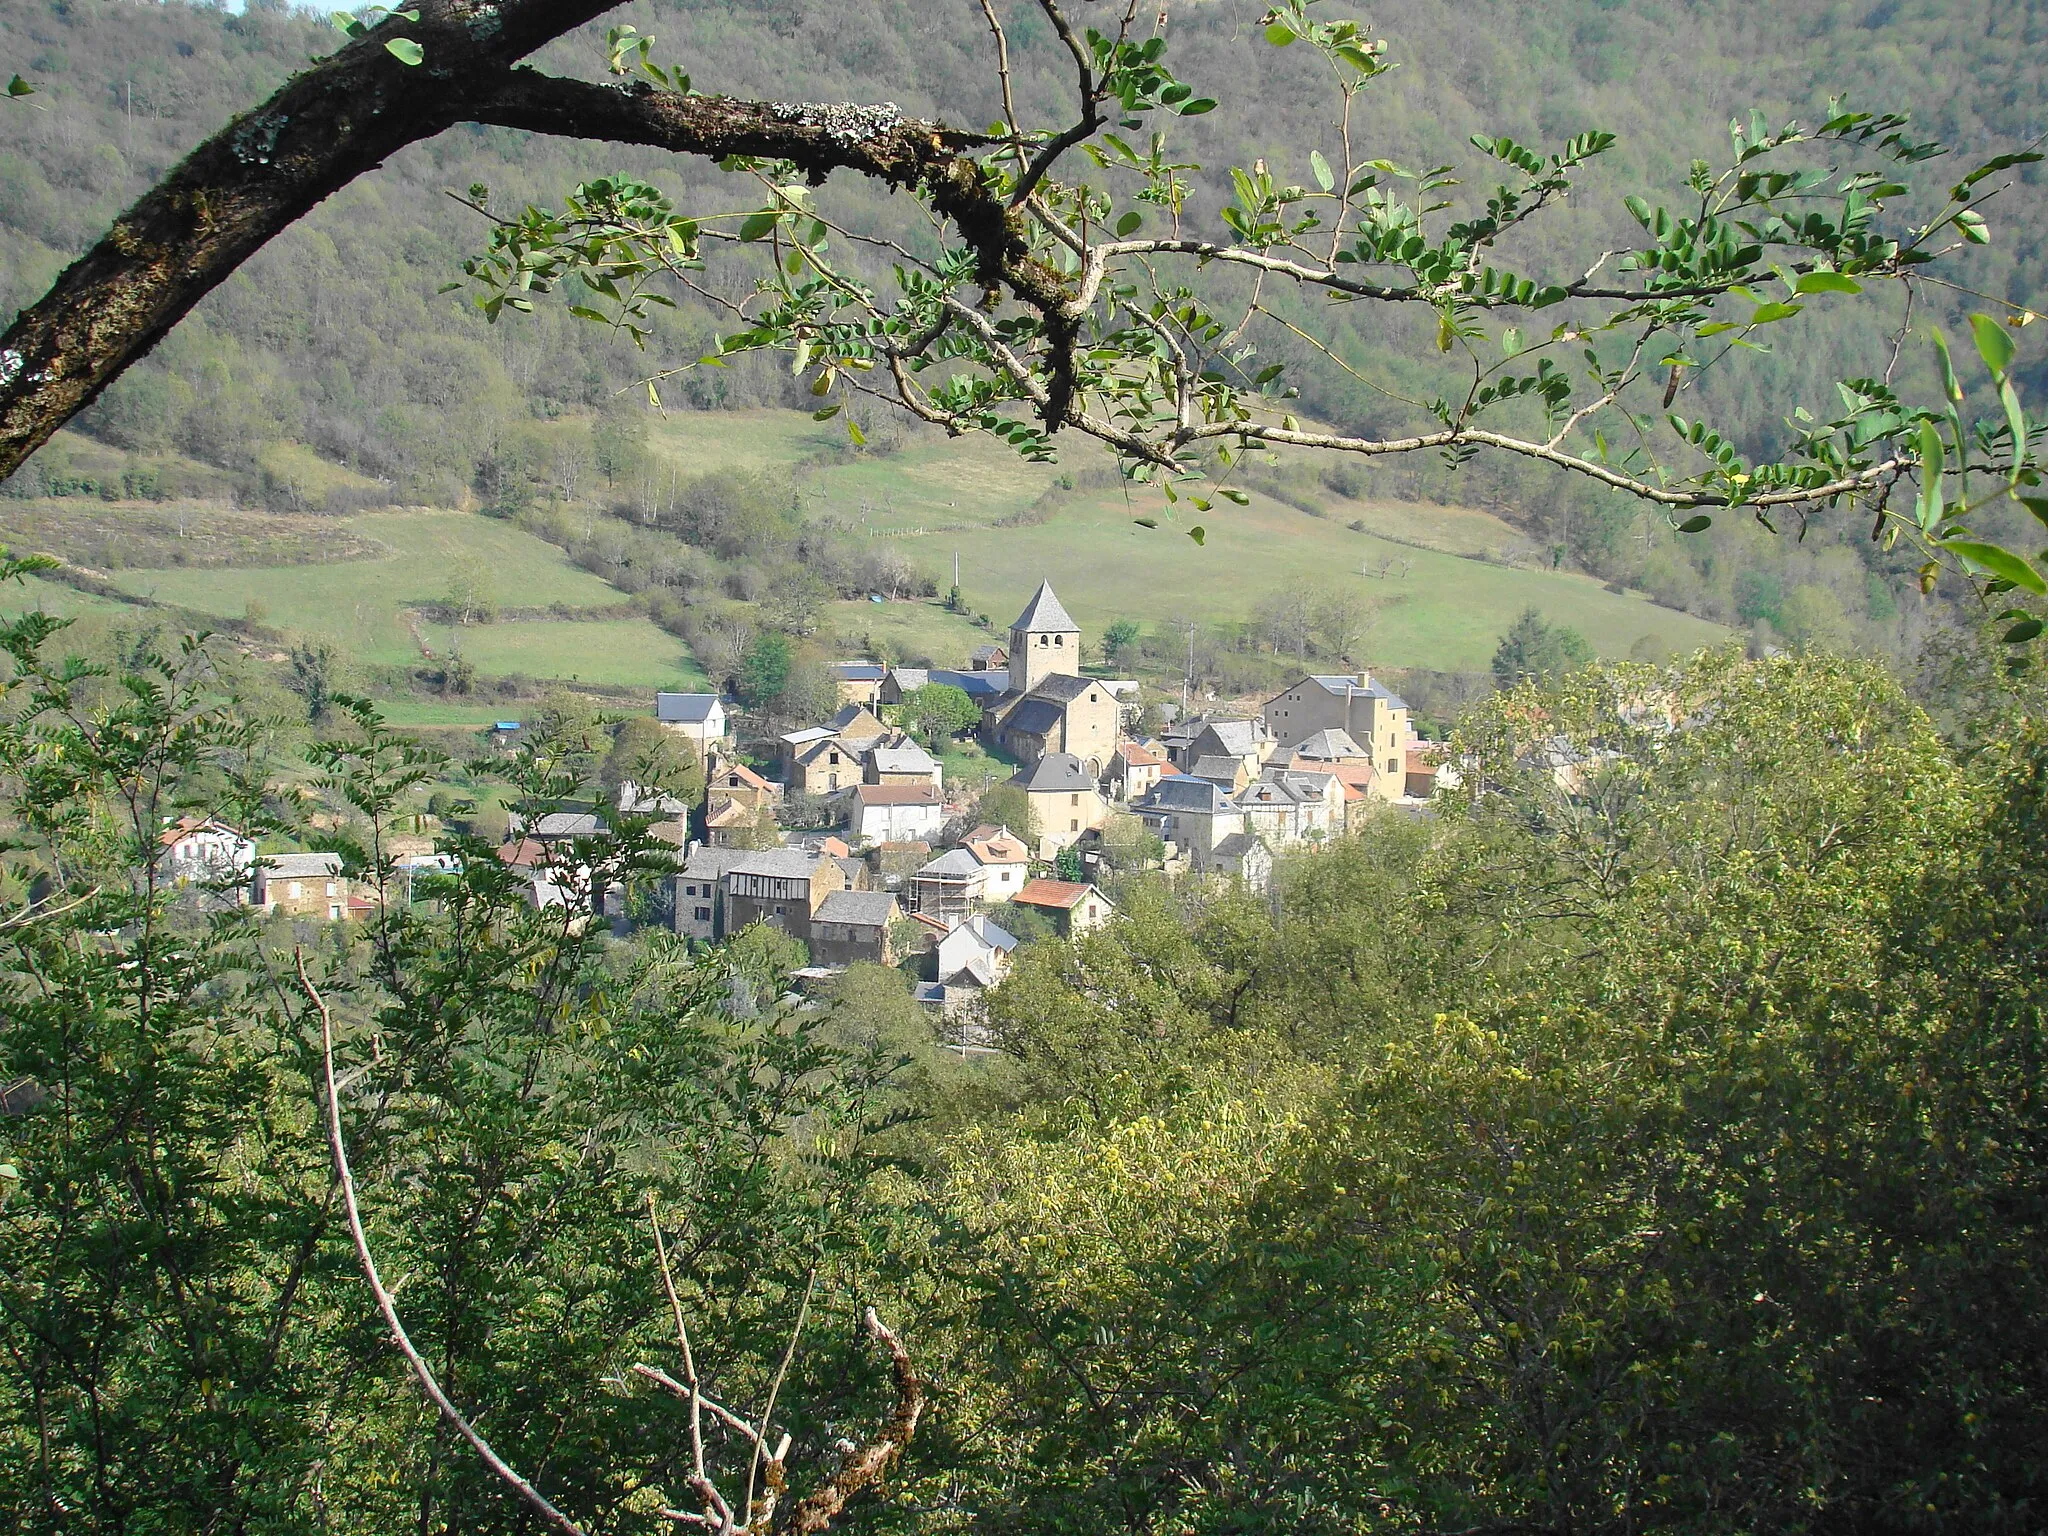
(1370, 713)
(904, 762)
(1005, 861)
(1063, 798)
(301, 885)
(1249, 741)
(699, 718)
(1134, 769)
(202, 851)
(896, 813)
(782, 887)
(1191, 816)
(950, 887)
(734, 799)
(1074, 908)
(851, 926)
(859, 682)
(1243, 856)
(1062, 714)
(698, 904)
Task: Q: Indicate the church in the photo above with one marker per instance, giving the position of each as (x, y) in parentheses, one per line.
(1050, 707)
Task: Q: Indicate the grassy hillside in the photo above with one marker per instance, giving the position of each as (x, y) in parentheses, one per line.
(373, 583)
(375, 608)
(1440, 607)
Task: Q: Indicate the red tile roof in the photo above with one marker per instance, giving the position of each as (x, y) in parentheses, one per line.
(1052, 893)
(526, 851)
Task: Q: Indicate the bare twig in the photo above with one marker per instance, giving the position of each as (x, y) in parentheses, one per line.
(422, 1372)
(774, 1389)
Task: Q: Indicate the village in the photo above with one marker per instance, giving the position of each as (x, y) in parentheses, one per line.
(846, 837)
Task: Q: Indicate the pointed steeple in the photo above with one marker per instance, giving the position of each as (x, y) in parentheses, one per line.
(1045, 615)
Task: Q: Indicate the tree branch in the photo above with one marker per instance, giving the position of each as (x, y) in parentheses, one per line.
(818, 1510)
(230, 196)
(420, 1369)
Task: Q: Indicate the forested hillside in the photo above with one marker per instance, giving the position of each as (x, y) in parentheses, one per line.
(339, 338)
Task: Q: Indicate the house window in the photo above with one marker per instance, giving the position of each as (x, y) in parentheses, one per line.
(1392, 766)
(295, 889)
(703, 914)
(1074, 825)
(1073, 799)
(330, 887)
(833, 757)
(780, 910)
(1059, 639)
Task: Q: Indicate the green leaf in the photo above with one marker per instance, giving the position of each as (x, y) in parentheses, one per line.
(1128, 223)
(829, 412)
(405, 50)
(1696, 524)
(2001, 563)
(2038, 505)
(1930, 476)
(2022, 632)
(1994, 345)
(1199, 534)
(1279, 34)
(758, 224)
(1146, 522)
(1950, 387)
(1767, 313)
(1231, 493)
(1826, 282)
(1971, 226)
(20, 87)
(2016, 423)
(1511, 340)
(853, 431)
(1325, 177)
(1197, 107)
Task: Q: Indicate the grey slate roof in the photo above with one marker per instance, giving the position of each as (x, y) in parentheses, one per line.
(684, 708)
(867, 909)
(908, 758)
(299, 866)
(911, 678)
(567, 824)
(1347, 687)
(1331, 746)
(711, 863)
(788, 863)
(859, 671)
(1062, 687)
(954, 864)
(1223, 770)
(1035, 716)
(1268, 792)
(1044, 615)
(1236, 846)
(1240, 738)
(1184, 792)
(1054, 771)
(978, 686)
